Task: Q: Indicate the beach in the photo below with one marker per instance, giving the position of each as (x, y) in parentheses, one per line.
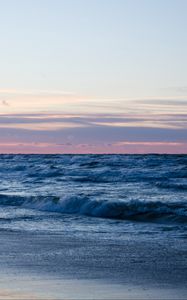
(64, 267)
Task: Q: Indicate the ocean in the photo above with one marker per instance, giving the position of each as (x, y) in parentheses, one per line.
(113, 218)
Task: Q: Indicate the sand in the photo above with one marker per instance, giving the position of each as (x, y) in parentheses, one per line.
(37, 288)
(43, 266)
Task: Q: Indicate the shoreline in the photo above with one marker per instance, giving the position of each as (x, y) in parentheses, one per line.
(49, 266)
(38, 288)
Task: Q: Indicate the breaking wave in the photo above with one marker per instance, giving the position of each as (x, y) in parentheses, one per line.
(137, 210)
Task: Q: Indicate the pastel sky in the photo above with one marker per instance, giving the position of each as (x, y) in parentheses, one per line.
(93, 76)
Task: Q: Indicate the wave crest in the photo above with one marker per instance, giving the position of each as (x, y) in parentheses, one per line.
(137, 210)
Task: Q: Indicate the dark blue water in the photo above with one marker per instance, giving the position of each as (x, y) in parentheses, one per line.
(109, 194)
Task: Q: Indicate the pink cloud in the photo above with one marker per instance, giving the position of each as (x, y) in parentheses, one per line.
(121, 148)
(105, 132)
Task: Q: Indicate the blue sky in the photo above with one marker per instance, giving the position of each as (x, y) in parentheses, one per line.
(124, 58)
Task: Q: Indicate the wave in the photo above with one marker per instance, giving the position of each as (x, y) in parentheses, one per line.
(171, 185)
(136, 210)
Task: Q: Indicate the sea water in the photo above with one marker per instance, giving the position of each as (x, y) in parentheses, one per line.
(94, 194)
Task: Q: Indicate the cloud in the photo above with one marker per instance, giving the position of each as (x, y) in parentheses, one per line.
(178, 89)
(59, 101)
(5, 103)
(35, 92)
(182, 89)
(135, 143)
(126, 131)
(165, 102)
(83, 148)
(54, 122)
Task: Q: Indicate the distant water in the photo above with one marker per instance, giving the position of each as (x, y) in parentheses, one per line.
(94, 194)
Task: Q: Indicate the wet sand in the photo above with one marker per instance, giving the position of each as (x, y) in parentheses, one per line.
(54, 289)
(60, 266)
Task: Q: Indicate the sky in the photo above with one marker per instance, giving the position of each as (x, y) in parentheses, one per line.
(93, 76)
